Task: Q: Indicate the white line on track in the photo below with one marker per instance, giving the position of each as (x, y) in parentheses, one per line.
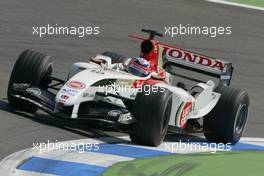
(237, 4)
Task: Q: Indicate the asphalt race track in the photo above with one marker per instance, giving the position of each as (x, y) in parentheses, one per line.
(116, 19)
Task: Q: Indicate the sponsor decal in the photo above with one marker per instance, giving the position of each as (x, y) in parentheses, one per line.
(76, 85)
(137, 83)
(180, 55)
(34, 91)
(64, 97)
(70, 92)
(114, 113)
(183, 111)
(126, 118)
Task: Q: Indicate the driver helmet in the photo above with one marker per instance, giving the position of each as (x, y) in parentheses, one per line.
(139, 67)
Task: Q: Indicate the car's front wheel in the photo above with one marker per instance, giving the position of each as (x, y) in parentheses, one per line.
(32, 68)
(152, 111)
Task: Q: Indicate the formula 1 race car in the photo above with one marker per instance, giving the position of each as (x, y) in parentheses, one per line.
(146, 106)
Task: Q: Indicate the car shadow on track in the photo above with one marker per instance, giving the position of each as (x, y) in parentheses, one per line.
(83, 128)
(184, 138)
(88, 129)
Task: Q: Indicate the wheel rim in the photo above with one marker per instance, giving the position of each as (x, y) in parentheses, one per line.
(240, 122)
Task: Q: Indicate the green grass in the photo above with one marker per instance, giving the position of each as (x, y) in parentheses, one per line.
(258, 3)
(246, 163)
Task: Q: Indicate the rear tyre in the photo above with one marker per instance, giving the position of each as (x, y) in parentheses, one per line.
(33, 68)
(115, 57)
(226, 122)
(152, 112)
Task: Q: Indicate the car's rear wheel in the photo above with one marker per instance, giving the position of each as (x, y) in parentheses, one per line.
(116, 57)
(32, 68)
(226, 122)
(152, 112)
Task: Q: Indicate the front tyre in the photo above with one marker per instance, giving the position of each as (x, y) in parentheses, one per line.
(152, 112)
(226, 122)
(32, 68)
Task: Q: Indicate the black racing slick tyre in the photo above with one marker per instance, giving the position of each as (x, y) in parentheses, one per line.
(115, 57)
(152, 113)
(226, 122)
(32, 68)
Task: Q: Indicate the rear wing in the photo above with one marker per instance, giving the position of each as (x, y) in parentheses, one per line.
(172, 56)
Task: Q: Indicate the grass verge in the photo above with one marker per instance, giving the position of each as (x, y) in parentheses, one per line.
(258, 3)
(242, 163)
